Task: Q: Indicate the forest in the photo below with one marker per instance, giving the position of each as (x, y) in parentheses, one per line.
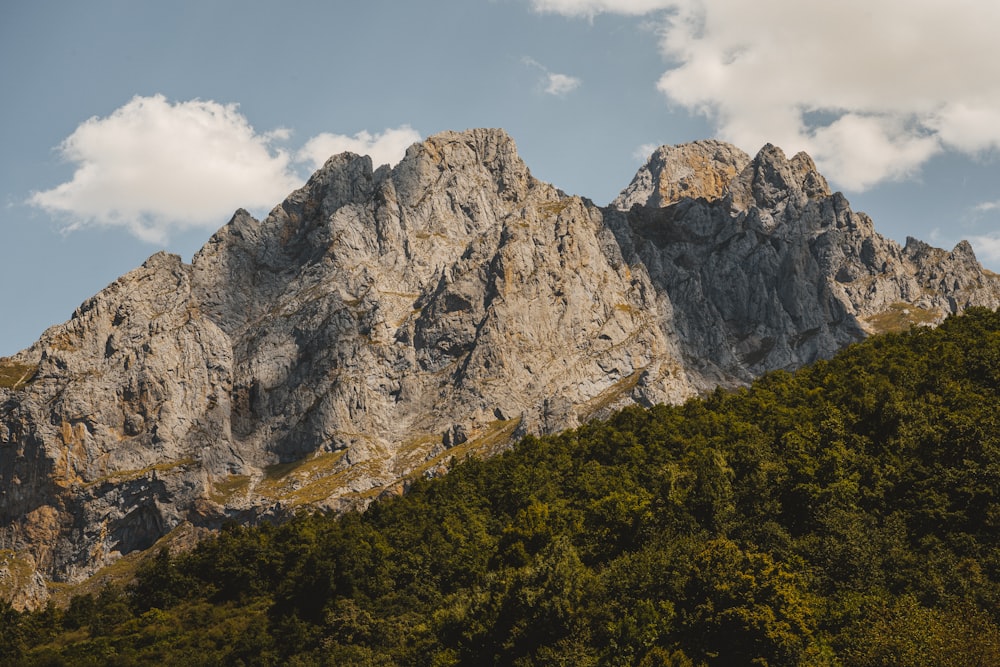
(845, 514)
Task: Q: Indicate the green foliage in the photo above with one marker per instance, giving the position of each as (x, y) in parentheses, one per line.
(739, 606)
(15, 375)
(846, 514)
(11, 634)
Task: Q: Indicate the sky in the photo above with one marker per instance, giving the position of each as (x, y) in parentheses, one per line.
(129, 127)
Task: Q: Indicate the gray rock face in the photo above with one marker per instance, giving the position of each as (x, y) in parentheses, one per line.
(377, 323)
(776, 271)
(125, 413)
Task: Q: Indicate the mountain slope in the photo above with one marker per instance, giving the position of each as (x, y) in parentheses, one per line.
(845, 514)
(377, 323)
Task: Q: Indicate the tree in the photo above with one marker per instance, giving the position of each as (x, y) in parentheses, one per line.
(742, 608)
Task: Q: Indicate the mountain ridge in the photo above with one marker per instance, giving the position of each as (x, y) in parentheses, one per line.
(379, 321)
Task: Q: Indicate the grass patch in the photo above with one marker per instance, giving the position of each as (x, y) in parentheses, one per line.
(487, 441)
(426, 236)
(322, 487)
(900, 317)
(628, 308)
(316, 479)
(225, 490)
(126, 475)
(279, 471)
(15, 375)
(286, 481)
(402, 295)
(607, 398)
(413, 451)
(554, 207)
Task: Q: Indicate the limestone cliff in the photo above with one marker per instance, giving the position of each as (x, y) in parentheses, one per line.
(775, 271)
(377, 323)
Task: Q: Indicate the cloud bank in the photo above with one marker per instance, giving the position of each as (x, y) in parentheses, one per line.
(870, 90)
(153, 167)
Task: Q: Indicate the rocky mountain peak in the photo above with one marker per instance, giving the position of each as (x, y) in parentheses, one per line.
(771, 179)
(483, 157)
(712, 169)
(778, 271)
(700, 169)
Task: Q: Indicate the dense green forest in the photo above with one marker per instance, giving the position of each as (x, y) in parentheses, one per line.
(846, 514)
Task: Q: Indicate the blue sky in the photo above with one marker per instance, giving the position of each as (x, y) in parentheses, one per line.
(129, 127)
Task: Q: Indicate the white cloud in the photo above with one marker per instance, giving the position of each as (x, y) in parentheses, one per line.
(987, 247)
(553, 83)
(860, 151)
(561, 84)
(593, 7)
(870, 89)
(967, 127)
(153, 167)
(387, 147)
(643, 151)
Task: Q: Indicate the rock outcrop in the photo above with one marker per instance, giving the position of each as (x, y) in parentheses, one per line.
(702, 169)
(777, 271)
(377, 323)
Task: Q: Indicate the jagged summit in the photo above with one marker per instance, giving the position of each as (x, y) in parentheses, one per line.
(378, 322)
(713, 169)
(700, 169)
(771, 179)
(768, 268)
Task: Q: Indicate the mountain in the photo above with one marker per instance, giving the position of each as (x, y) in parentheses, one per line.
(766, 268)
(380, 322)
(844, 514)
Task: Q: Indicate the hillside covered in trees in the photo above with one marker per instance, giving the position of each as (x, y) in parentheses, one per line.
(847, 514)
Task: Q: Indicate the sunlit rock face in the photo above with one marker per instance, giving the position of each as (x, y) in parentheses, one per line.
(378, 323)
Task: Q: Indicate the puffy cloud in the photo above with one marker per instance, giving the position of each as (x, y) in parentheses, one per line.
(561, 84)
(870, 89)
(987, 247)
(967, 127)
(387, 147)
(553, 83)
(859, 151)
(153, 167)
